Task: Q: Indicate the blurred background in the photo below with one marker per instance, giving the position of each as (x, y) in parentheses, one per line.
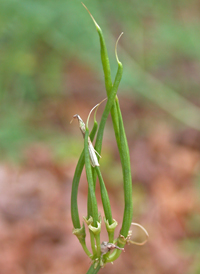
(50, 69)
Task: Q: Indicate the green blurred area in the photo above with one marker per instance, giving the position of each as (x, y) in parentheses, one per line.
(38, 40)
(41, 40)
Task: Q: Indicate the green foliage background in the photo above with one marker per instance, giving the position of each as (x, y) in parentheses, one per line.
(38, 39)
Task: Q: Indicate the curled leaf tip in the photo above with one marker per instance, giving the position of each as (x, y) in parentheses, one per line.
(116, 47)
(96, 106)
(130, 234)
(128, 239)
(97, 26)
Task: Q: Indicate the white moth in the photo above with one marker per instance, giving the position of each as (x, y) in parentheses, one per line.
(92, 152)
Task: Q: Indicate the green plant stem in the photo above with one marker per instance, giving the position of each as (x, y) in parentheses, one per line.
(109, 104)
(89, 212)
(128, 208)
(114, 255)
(85, 248)
(93, 270)
(74, 192)
(92, 241)
(98, 244)
(112, 106)
(105, 114)
(120, 138)
(119, 133)
(106, 69)
(127, 178)
(104, 56)
(90, 180)
(75, 183)
(104, 197)
(111, 93)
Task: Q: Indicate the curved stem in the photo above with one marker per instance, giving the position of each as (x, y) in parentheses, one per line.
(127, 178)
(85, 248)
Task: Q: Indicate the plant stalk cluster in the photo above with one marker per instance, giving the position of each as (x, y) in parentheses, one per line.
(93, 219)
